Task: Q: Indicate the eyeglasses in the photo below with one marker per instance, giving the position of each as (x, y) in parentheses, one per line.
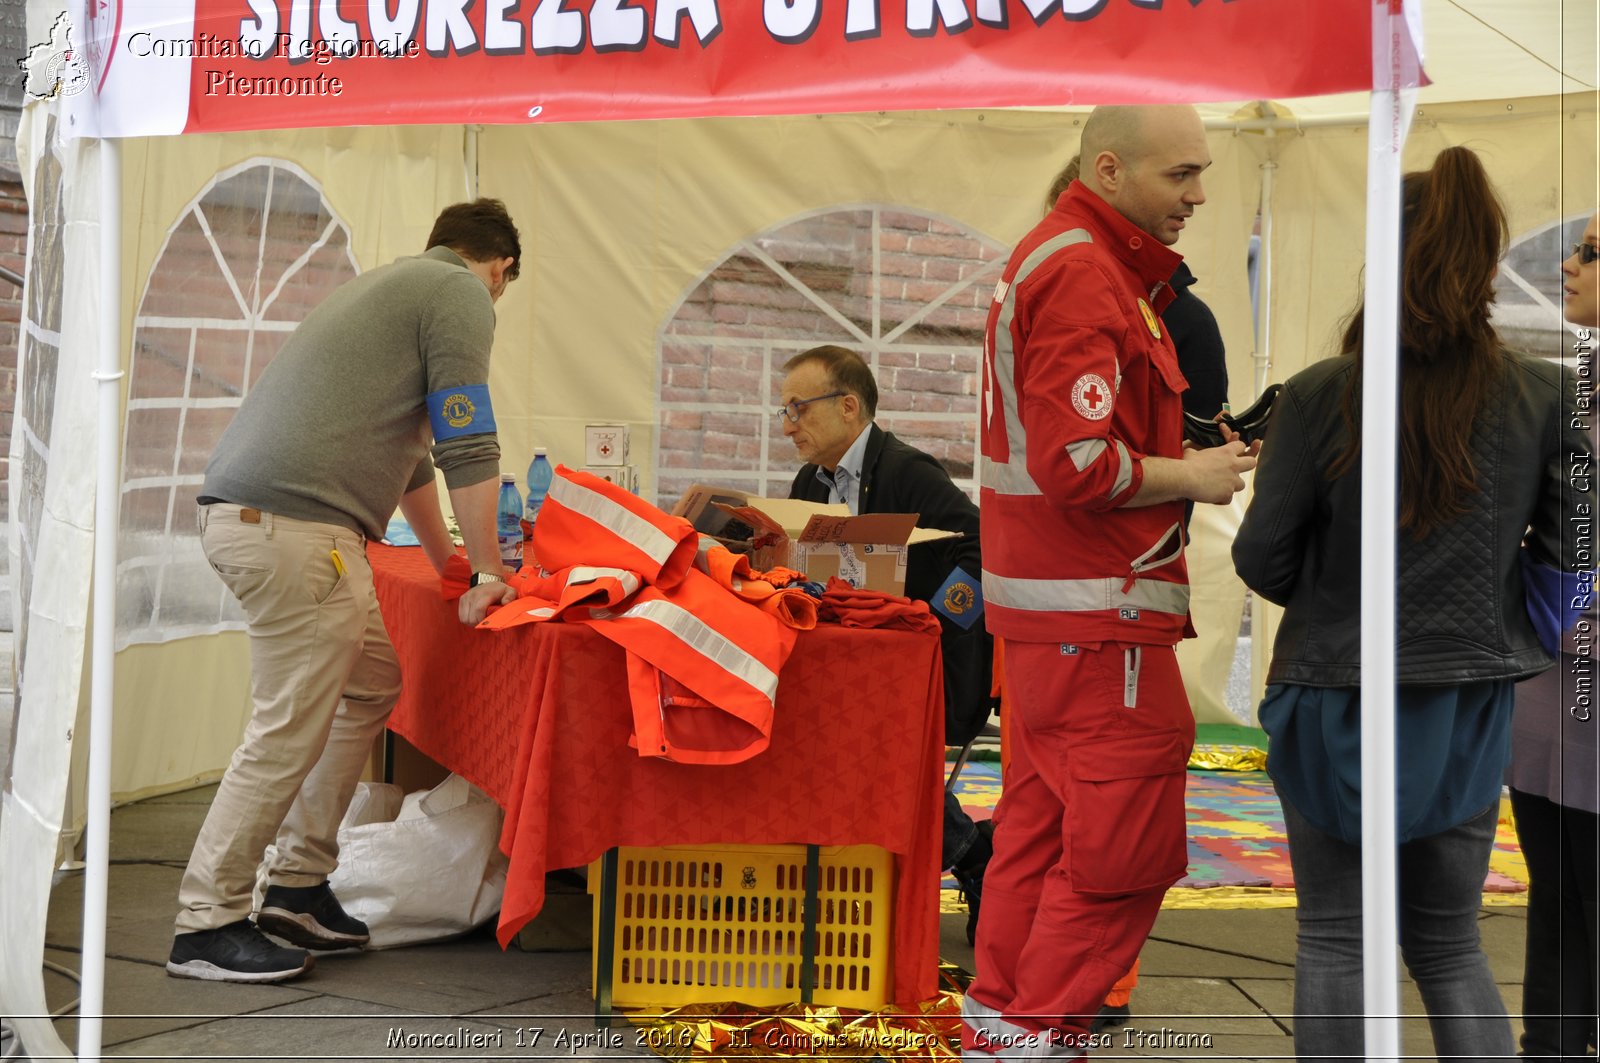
(1586, 253)
(793, 409)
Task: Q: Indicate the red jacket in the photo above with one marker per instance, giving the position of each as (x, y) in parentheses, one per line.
(1081, 382)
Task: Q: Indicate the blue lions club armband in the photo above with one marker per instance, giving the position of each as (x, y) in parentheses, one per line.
(960, 599)
(463, 411)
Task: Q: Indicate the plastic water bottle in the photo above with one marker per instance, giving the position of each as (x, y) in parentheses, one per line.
(508, 522)
(539, 476)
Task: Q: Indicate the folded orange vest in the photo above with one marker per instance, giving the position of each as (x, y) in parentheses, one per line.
(703, 663)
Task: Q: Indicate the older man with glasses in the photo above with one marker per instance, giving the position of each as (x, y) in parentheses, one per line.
(829, 400)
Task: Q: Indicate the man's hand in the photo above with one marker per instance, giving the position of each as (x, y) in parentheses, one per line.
(1229, 436)
(1216, 474)
(475, 604)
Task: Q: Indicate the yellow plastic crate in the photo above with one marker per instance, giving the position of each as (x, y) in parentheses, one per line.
(702, 924)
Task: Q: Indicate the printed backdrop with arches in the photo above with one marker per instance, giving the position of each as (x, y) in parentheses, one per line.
(669, 268)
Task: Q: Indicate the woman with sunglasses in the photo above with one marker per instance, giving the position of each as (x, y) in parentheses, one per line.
(1484, 456)
(1554, 790)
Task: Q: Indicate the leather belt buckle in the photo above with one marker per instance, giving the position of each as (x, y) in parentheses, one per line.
(249, 516)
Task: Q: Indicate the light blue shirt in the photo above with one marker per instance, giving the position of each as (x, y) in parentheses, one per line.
(844, 483)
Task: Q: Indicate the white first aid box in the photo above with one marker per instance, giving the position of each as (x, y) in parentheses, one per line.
(605, 444)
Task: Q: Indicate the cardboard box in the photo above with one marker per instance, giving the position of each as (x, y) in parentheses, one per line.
(605, 444)
(822, 540)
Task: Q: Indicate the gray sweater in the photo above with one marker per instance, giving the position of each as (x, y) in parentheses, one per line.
(336, 429)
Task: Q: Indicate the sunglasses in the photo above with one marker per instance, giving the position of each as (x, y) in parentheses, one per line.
(1586, 253)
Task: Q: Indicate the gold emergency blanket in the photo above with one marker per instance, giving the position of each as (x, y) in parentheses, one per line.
(800, 1031)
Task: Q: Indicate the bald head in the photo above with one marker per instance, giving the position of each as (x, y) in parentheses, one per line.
(1146, 162)
(1115, 129)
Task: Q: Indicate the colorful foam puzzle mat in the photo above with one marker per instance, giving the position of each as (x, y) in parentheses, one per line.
(1238, 854)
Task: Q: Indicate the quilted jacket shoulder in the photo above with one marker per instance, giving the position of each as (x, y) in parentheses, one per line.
(1461, 597)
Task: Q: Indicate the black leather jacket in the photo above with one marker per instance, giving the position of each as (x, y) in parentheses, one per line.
(1462, 614)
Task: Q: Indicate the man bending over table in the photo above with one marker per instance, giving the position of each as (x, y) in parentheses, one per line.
(335, 433)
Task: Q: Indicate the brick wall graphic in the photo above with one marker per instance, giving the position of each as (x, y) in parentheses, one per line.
(240, 269)
(908, 291)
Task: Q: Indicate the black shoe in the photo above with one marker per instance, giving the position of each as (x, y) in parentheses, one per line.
(238, 952)
(1110, 1017)
(969, 875)
(310, 916)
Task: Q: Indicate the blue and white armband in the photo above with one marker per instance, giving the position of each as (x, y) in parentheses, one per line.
(461, 411)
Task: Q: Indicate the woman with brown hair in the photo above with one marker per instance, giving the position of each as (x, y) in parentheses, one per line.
(1485, 437)
(1555, 781)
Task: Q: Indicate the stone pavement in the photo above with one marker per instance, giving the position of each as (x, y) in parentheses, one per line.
(1215, 984)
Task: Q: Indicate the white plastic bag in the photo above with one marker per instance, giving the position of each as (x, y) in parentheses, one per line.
(424, 869)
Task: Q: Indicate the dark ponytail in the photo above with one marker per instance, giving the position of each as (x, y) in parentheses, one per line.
(1453, 234)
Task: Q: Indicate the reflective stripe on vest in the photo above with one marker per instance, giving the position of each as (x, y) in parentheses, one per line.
(583, 513)
(723, 649)
(1010, 477)
(698, 634)
(544, 596)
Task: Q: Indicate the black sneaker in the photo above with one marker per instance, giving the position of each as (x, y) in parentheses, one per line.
(310, 916)
(238, 952)
(1111, 1016)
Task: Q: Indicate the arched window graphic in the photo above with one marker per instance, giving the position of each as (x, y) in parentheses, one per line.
(243, 265)
(38, 364)
(1527, 310)
(907, 290)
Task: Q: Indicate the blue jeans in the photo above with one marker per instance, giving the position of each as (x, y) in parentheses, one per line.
(1441, 890)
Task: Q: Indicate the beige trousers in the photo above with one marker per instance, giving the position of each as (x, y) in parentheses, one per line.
(324, 677)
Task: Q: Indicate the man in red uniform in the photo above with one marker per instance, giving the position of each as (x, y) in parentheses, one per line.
(1085, 476)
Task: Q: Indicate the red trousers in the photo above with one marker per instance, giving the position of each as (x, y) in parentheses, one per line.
(1090, 833)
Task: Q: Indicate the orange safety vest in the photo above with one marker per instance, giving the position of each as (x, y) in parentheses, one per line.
(703, 663)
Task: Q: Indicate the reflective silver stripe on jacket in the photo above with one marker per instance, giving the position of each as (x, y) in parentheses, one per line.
(654, 543)
(1083, 595)
(1011, 476)
(1084, 452)
(705, 640)
(581, 574)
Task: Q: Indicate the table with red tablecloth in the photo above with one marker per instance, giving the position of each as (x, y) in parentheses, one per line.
(538, 717)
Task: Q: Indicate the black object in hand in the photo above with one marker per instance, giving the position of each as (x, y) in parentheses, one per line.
(1250, 424)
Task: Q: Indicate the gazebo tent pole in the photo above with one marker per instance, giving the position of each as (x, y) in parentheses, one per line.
(108, 376)
(1386, 132)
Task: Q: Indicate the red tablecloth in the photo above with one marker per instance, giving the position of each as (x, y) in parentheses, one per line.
(538, 717)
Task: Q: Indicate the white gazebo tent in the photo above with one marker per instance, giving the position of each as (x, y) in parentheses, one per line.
(1493, 65)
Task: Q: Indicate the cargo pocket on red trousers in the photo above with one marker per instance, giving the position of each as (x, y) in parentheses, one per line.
(1127, 827)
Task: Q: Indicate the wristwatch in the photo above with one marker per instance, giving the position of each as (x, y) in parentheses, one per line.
(480, 578)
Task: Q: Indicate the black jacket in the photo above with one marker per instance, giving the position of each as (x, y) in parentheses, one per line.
(898, 478)
(1462, 612)
(1201, 357)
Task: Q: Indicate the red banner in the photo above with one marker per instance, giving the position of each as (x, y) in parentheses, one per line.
(259, 64)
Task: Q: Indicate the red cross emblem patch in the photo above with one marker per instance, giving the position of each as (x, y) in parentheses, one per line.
(1091, 397)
